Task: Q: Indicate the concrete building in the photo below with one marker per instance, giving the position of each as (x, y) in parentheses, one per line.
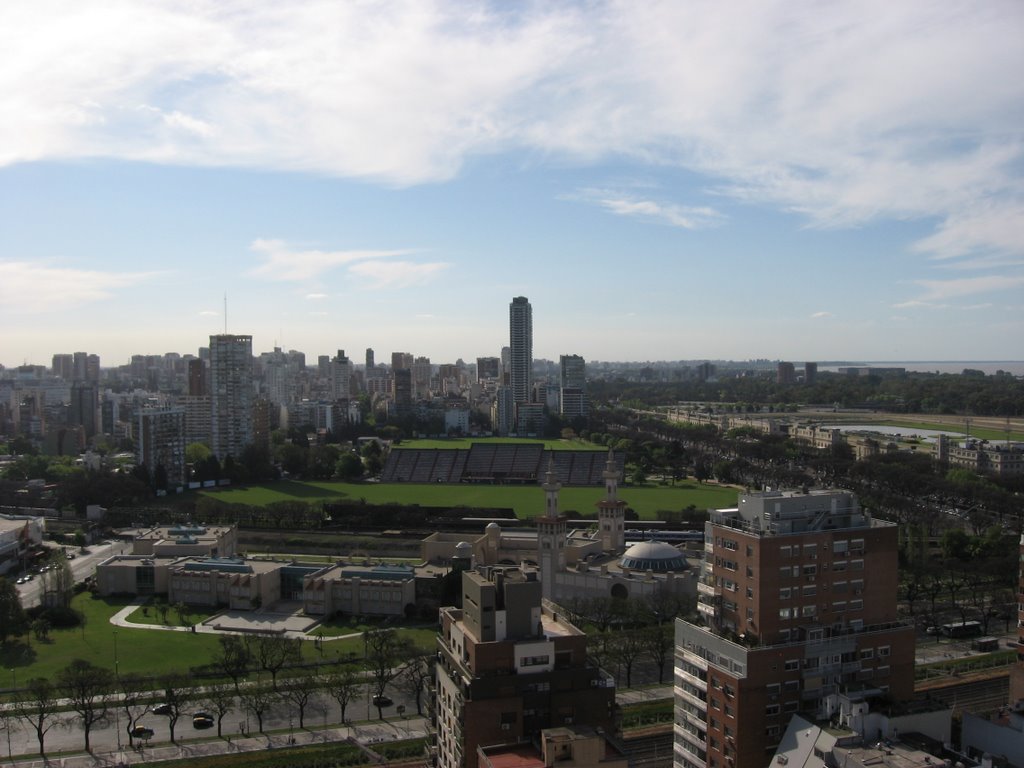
(520, 322)
(798, 598)
(810, 374)
(182, 540)
(488, 369)
(231, 392)
(981, 457)
(572, 397)
(84, 410)
(510, 666)
(785, 373)
(401, 392)
(17, 536)
(160, 442)
(380, 590)
(341, 376)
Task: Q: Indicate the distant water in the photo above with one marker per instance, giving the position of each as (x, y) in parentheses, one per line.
(989, 367)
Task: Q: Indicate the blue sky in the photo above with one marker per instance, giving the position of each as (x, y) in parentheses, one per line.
(663, 180)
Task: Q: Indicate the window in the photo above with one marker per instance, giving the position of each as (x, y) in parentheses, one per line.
(792, 685)
(750, 614)
(838, 586)
(810, 570)
(786, 571)
(856, 565)
(785, 551)
(750, 592)
(772, 709)
(883, 651)
(809, 610)
(792, 664)
(785, 613)
(771, 731)
(750, 572)
(791, 706)
(840, 547)
(533, 661)
(839, 606)
(867, 653)
(839, 565)
(750, 550)
(773, 688)
(857, 546)
(784, 593)
(856, 605)
(810, 591)
(729, 711)
(810, 551)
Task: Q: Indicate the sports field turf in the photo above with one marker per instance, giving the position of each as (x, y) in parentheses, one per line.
(648, 501)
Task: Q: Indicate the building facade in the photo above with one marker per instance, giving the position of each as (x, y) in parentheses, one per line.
(509, 666)
(231, 394)
(798, 599)
(520, 322)
(161, 443)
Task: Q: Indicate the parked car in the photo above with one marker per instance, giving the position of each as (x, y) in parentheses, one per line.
(162, 709)
(382, 701)
(202, 720)
(141, 732)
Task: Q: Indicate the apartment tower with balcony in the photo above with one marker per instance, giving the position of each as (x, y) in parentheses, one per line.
(797, 598)
(509, 666)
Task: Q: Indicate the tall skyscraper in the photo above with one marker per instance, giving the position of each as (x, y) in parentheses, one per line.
(369, 360)
(231, 394)
(161, 443)
(798, 597)
(341, 377)
(572, 395)
(84, 410)
(520, 317)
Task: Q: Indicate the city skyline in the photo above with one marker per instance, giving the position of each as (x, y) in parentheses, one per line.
(752, 181)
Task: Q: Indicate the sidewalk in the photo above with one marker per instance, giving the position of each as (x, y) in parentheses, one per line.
(367, 733)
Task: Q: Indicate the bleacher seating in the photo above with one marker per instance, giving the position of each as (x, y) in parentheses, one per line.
(500, 462)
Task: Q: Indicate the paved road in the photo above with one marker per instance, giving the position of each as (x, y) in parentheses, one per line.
(82, 567)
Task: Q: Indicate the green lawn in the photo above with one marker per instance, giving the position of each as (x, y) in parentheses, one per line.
(527, 501)
(147, 614)
(145, 651)
(465, 443)
(142, 651)
(980, 433)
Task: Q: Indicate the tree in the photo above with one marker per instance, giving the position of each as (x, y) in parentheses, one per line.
(274, 652)
(133, 701)
(184, 613)
(257, 701)
(413, 678)
(344, 687)
(349, 467)
(87, 690)
(39, 708)
(219, 699)
(625, 648)
(302, 692)
(177, 695)
(385, 651)
(12, 616)
(233, 659)
(658, 643)
(162, 608)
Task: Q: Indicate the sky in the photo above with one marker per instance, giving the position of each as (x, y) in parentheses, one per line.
(663, 180)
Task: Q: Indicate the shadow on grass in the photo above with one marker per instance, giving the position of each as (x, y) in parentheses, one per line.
(17, 653)
(291, 488)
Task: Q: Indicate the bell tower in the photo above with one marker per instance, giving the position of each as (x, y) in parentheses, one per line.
(550, 535)
(611, 511)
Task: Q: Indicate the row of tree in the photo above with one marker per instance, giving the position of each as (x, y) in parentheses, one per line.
(94, 695)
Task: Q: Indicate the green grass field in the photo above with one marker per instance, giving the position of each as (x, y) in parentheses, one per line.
(464, 443)
(147, 651)
(980, 433)
(527, 501)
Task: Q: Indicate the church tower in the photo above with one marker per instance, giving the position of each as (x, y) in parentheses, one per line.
(611, 511)
(550, 535)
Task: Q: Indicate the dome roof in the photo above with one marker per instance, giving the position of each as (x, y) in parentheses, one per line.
(657, 556)
(463, 549)
(492, 526)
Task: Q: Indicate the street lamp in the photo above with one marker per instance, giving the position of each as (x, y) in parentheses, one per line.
(14, 686)
(117, 708)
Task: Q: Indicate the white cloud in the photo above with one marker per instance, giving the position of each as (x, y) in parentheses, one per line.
(316, 296)
(822, 315)
(846, 113)
(397, 274)
(35, 288)
(624, 204)
(936, 293)
(281, 262)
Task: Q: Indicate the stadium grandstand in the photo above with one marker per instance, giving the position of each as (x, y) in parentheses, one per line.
(496, 463)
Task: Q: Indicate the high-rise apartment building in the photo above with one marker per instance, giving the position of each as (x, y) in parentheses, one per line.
(84, 408)
(231, 394)
(785, 373)
(64, 366)
(197, 378)
(401, 360)
(160, 443)
(341, 377)
(510, 665)
(572, 394)
(488, 369)
(401, 391)
(520, 322)
(369, 360)
(810, 373)
(798, 596)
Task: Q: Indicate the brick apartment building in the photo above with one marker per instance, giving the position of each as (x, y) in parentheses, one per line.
(510, 666)
(798, 598)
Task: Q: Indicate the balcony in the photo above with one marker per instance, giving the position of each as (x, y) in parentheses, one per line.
(704, 588)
